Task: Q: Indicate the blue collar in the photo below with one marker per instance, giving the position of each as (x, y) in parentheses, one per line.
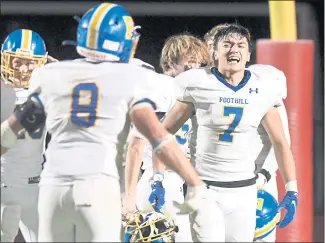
(221, 79)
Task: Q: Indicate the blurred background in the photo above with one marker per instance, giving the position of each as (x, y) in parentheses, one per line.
(53, 20)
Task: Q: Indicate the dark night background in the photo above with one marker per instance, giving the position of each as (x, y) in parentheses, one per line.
(55, 29)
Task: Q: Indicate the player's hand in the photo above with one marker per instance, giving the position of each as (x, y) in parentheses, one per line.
(195, 199)
(129, 208)
(260, 181)
(205, 214)
(289, 202)
(31, 114)
(157, 196)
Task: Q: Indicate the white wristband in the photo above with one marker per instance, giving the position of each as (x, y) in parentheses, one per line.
(8, 137)
(291, 186)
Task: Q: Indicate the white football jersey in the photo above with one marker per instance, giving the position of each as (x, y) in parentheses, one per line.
(263, 145)
(165, 100)
(8, 99)
(227, 119)
(22, 164)
(87, 106)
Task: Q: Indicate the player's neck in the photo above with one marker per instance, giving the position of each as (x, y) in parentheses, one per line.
(234, 78)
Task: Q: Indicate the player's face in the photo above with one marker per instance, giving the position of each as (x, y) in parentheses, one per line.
(232, 53)
(183, 66)
(23, 68)
(23, 65)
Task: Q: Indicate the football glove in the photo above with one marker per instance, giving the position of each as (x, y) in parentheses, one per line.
(31, 114)
(157, 196)
(289, 202)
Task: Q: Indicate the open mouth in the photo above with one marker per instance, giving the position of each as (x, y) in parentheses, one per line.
(234, 59)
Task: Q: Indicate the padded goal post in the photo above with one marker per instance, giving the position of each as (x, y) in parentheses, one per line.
(295, 59)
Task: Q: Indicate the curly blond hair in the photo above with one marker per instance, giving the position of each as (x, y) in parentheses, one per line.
(184, 47)
(209, 36)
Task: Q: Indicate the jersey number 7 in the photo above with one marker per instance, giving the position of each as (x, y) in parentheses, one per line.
(237, 112)
(84, 104)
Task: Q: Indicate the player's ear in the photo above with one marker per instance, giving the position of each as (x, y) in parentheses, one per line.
(249, 57)
(215, 55)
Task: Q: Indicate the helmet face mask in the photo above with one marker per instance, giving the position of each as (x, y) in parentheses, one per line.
(22, 51)
(17, 67)
(150, 226)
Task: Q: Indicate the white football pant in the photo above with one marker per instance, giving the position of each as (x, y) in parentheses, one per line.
(237, 217)
(87, 211)
(173, 185)
(19, 209)
(272, 188)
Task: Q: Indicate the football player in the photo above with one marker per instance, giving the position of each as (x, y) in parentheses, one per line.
(90, 104)
(266, 164)
(8, 100)
(195, 54)
(22, 51)
(230, 102)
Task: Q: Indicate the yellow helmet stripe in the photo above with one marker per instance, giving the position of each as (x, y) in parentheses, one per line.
(95, 23)
(129, 27)
(26, 39)
(268, 227)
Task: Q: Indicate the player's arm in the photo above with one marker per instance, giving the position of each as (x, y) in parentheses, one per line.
(9, 132)
(270, 165)
(134, 159)
(273, 125)
(164, 144)
(167, 150)
(133, 164)
(29, 116)
(176, 117)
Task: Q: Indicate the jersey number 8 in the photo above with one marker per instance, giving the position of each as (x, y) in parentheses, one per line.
(84, 103)
(227, 135)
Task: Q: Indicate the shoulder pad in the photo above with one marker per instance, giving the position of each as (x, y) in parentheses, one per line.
(269, 73)
(263, 68)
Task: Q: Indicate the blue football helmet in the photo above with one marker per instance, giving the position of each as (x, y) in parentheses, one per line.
(107, 33)
(150, 226)
(267, 215)
(22, 51)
